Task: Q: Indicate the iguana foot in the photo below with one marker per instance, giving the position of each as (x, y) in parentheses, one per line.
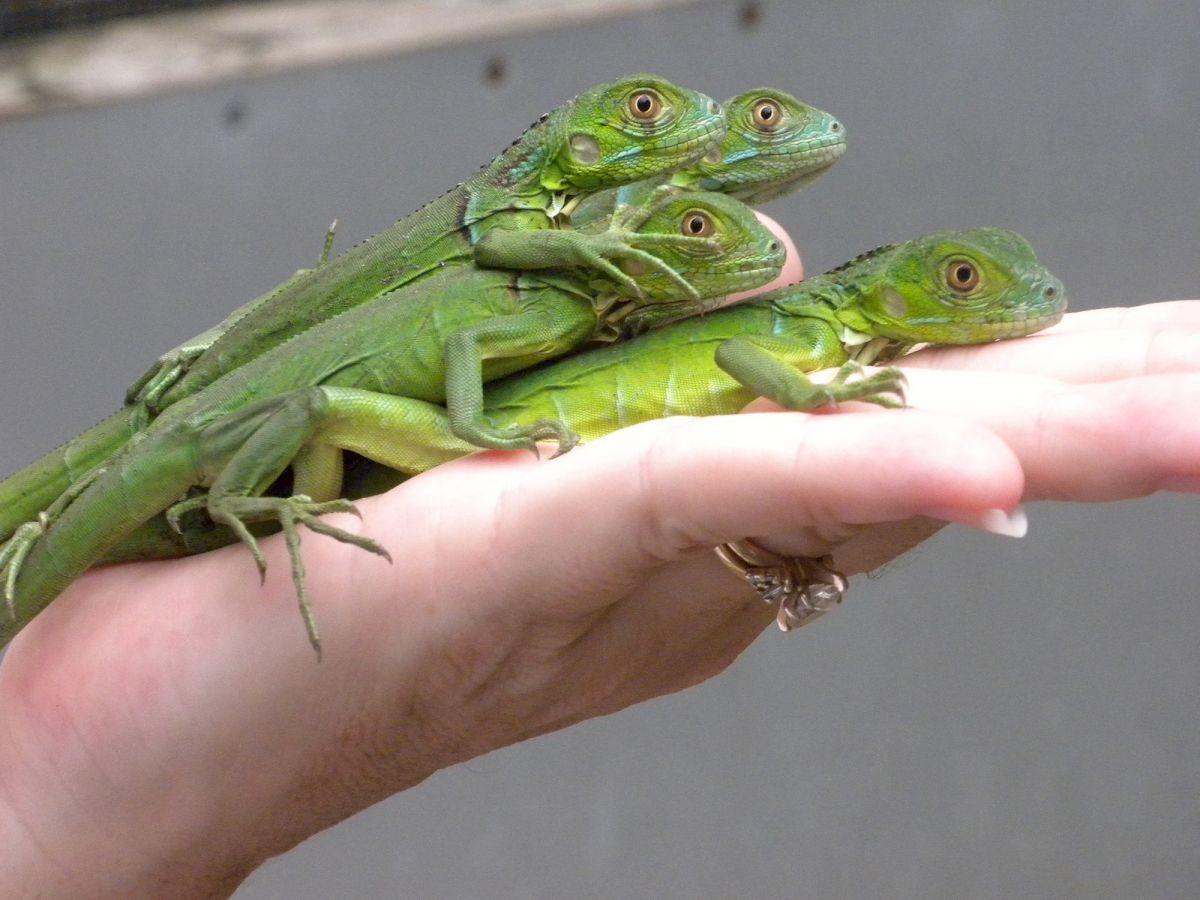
(145, 394)
(235, 511)
(17, 547)
(884, 387)
(522, 437)
(597, 251)
(12, 557)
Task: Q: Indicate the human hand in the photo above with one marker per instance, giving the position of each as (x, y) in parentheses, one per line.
(167, 727)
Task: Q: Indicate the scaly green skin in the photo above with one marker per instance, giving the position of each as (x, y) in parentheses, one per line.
(872, 309)
(329, 388)
(601, 139)
(774, 144)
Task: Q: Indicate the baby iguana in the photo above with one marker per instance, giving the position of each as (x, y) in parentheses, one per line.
(336, 380)
(774, 144)
(952, 287)
(612, 134)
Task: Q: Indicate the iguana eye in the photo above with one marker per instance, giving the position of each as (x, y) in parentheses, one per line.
(962, 276)
(645, 104)
(767, 114)
(698, 224)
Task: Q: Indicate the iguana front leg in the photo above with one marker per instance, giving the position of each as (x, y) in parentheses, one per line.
(146, 393)
(530, 334)
(560, 248)
(774, 366)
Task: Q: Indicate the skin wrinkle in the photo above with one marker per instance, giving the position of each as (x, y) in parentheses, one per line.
(504, 666)
(662, 535)
(123, 845)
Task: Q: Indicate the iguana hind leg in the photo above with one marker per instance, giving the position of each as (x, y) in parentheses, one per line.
(256, 444)
(248, 450)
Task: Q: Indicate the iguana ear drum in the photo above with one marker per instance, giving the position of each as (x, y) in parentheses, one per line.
(584, 149)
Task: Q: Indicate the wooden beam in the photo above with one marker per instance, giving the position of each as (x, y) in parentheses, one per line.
(171, 51)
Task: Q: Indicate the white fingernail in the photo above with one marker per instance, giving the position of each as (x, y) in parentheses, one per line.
(1012, 524)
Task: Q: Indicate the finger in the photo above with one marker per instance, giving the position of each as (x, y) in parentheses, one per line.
(652, 493)
(1081, 355)
(1113, 441)
(1179, 313)
(793, 267)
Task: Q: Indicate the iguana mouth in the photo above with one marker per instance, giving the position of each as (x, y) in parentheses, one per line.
(752, 276)
(822, 148)
(1022, 323)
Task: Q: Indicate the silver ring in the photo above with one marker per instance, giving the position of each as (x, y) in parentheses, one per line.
(805, 588)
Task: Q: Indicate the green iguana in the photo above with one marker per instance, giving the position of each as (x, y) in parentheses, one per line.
(774, 144)
(953, 287)
(237, 435)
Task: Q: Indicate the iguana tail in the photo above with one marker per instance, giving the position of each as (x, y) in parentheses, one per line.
(25, 494)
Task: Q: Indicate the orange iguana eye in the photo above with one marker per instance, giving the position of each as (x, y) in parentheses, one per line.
(962, 276)
(698, 224)
(767, 114)
(645, 104)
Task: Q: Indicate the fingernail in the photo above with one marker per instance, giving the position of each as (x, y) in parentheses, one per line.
(1007, 523)
(1004, 522)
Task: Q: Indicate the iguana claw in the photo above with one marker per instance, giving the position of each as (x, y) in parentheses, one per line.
(12, 557)
(236, 511)
(883, 388)
(524, 437)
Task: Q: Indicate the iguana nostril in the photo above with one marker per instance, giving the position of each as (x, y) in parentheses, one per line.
(1050, 293)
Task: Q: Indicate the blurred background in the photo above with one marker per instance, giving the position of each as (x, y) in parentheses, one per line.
(986, 718)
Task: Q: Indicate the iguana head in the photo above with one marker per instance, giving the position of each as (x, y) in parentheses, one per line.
(774, 144)
(952, 287)
(726, 248)
(623, 131)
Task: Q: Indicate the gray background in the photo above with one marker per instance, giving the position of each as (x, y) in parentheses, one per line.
(988, 718)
